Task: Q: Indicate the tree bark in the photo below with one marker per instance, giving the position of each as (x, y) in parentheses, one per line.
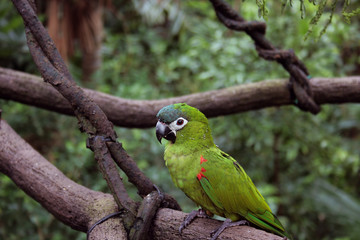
(141, 113)
(167, 223)
(71, 203)
(80, 207)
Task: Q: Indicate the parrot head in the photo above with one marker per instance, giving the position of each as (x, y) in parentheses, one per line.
(175, 118)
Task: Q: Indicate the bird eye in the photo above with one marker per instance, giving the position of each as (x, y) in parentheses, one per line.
(180, 122)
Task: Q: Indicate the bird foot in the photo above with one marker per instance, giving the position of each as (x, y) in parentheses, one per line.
(200, 213)
(227, 223)
(160, 193)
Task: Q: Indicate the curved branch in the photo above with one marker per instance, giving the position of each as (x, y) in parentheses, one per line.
(55, 72)
(256, 30)
(141, 113)
(92, 119)
(79, 207)
(71, 203)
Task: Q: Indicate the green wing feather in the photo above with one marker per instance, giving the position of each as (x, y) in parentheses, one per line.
(231, 190)
(205, 184)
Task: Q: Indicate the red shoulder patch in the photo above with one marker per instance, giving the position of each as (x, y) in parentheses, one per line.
(200, 174)
(202, 159)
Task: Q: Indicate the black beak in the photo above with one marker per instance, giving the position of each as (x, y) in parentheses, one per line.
(163, 131)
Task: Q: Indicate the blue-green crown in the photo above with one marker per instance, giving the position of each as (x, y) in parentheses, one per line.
(172, 112)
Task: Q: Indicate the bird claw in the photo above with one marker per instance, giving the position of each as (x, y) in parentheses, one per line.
(200, 213)
(227, 223)
(160, 193)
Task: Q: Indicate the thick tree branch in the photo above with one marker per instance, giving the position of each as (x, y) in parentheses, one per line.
(141, 113)
(79, 207)
(167, 223)
(71, 203)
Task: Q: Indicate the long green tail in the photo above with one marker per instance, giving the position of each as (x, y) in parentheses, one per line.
(268, 221)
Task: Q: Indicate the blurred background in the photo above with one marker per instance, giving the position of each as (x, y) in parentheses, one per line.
(307, 167)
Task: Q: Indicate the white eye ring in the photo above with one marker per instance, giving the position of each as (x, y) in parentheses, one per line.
(178, 124)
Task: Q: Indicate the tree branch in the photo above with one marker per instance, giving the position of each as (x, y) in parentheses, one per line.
(79, 207)
(167, 223)
(256, 30)
(92, 119)
(141, 113)
(71, 203)
(55, 72)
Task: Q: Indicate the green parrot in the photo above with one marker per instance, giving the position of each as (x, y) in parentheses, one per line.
(208, 176)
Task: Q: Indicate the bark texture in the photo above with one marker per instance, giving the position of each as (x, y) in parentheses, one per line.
(201, 228)
(71, 203)
(29, 89)
(80, 207)
(92, 119)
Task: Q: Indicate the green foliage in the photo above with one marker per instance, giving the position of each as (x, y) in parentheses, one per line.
(263, 11)
(305, 166)
(320, 6)
(13, 49)
(350, 15)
